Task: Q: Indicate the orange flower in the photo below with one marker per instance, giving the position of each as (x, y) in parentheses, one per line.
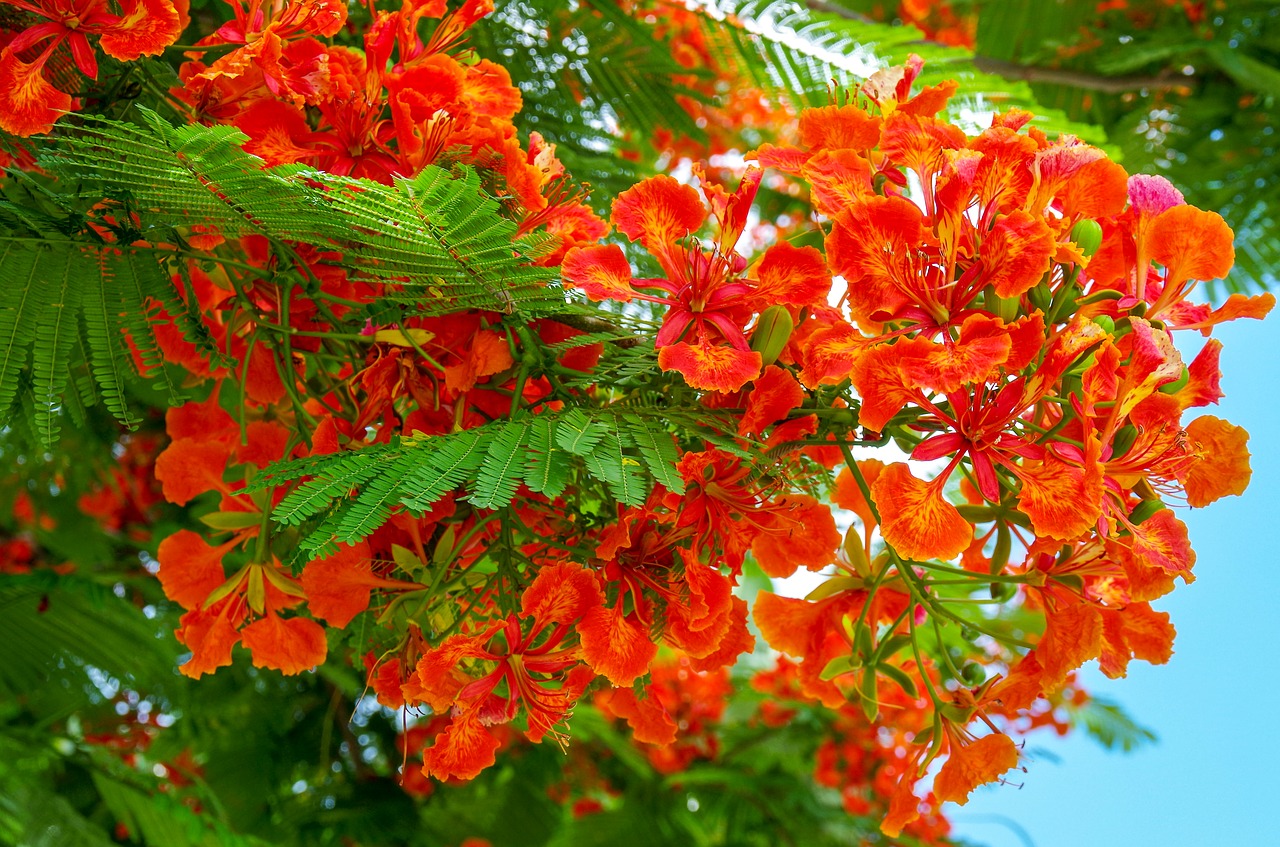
(711, 366)
(29, 104)
(1221, 466)
(338, 586)
(973, 764)
(601, 271)
(658, 212)
(915, 519)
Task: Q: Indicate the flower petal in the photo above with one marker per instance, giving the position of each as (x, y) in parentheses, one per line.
(290, 646)
(971, 765)
(915, 519)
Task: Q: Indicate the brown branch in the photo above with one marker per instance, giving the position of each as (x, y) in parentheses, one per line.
(1031, 73)
(1075, 79)
(838, 11)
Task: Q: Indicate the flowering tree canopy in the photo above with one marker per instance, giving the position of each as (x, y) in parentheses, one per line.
(359, 363)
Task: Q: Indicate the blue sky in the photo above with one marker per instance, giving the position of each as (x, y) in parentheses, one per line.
(1211, 777)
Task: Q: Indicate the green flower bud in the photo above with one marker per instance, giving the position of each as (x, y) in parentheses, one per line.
(973, 673)
(1123, 440)
(773, 329)
(1144, 510)
(1002, 591)
(1087, 235)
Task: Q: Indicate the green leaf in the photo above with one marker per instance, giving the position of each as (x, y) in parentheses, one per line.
(546, 470)
(577, 434)
(503, 467)
(437, 235)
(1110, 725)
(658, 449)
(450, 465)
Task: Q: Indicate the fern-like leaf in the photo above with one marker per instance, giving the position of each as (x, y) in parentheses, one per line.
(451, 463)
(796, 50)
(547, 469)
(340, 475)
(578, 434)
(377, 498)
(55, 334)
(609, 462)
(503, 468)
(436, 236)
(658, 450)
(23, 297)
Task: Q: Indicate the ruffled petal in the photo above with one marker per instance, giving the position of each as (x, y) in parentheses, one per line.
(971, 765)
(290, 646)
(711, 367)
(915, 519)
(1221, 467)
(658, 211)
(601, 271)
(462, 751)
(190, 569)
(615, 645)
(29, 105)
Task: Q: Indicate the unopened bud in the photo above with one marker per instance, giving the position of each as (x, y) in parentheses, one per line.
(1144, 510)
(773, 330)
(1087, 235)
(1123, 440)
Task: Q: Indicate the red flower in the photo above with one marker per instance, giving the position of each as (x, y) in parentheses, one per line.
(29, 103)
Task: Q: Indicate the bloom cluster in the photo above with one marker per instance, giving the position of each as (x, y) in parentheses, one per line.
(1001, 307)
(1009, 320)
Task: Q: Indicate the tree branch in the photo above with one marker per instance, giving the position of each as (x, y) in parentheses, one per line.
(1030, 73)
(1075, 79)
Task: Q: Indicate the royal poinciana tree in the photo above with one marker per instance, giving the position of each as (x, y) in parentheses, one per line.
(464, 494)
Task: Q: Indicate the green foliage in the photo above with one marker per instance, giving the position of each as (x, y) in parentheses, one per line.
(69, 305)
(1191, 99)
(1110, 725)
(627, 450)
(437, 235)
(53, 628)
(797, 50)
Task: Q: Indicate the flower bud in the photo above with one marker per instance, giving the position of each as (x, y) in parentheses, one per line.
(1123, 440)
(1144, 510)
(1087, 234)
(773, 329)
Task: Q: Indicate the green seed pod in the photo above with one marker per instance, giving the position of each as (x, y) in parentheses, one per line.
(868, 694)
(1087, 235)
(1004, 546)
(773, 329)
(1002, 591)
(1071, 580)
(856, 554)
(1040, 296)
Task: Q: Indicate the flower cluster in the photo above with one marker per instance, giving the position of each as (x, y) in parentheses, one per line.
(1007, 313)
(1002, 307)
